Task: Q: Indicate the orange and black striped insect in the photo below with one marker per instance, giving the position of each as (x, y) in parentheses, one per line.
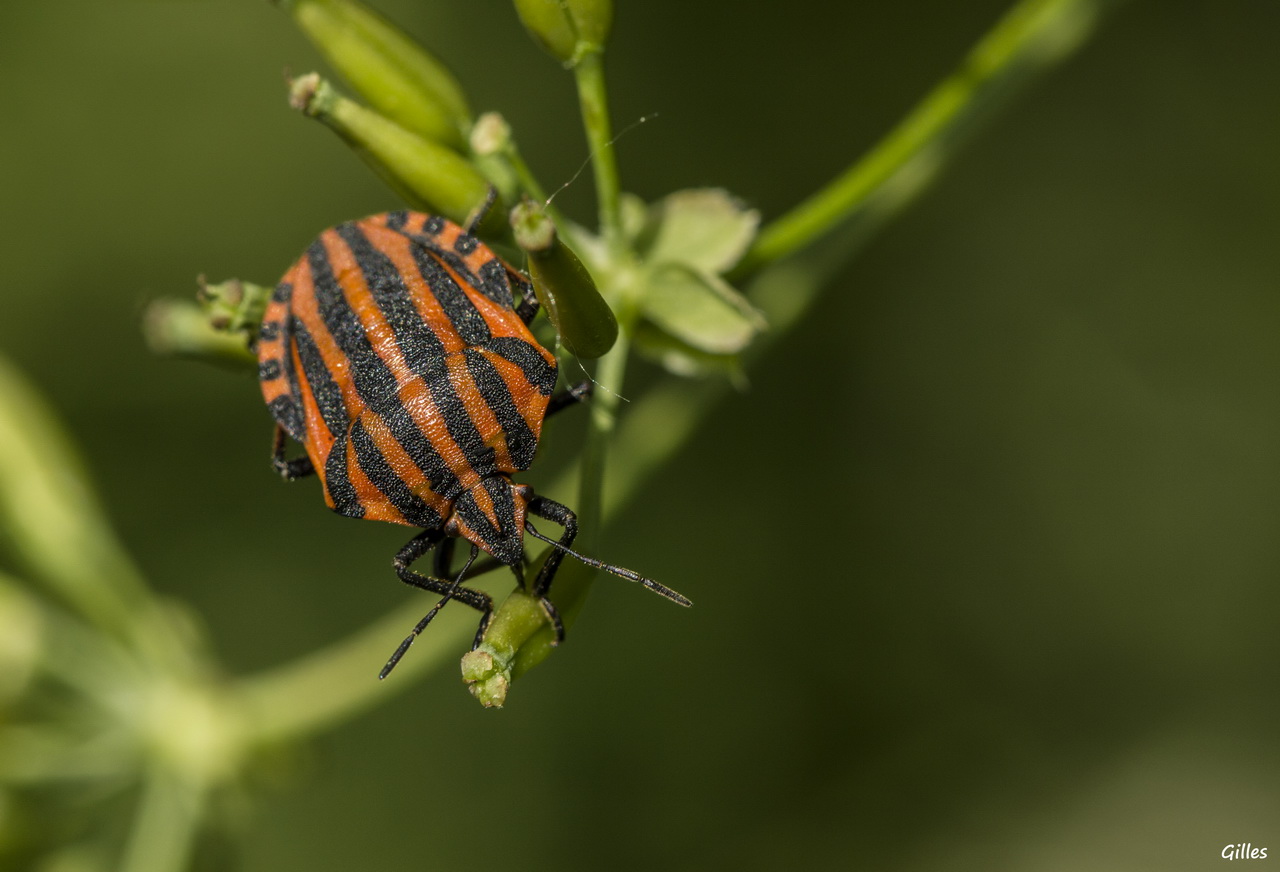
(397, 352)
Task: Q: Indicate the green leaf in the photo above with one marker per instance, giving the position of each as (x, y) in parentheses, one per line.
(705, 228)
(701, 310)
(680, 358)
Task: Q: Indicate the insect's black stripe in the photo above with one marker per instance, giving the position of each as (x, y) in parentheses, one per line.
(396, 220)
(375, 383)
(500, 294)
(338, 483)
(537, 371)
(269, 370)
(289, 415)
(426, 244)
(418, 343)
(419, 346)
(469, 511)
(288, 409)
(385, 479)
(458, 308)
(282, 292)
(495, 284)
(521, 442)
(327, 393)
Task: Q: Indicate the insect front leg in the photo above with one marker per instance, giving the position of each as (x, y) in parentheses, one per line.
(299, 467)
(478, 600)
(443, 561)
(564, 516)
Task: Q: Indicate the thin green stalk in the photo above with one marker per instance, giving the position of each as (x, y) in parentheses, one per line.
(1033, 35)
(165, 825)
(589, 75)
(332, 684)
(58, 529)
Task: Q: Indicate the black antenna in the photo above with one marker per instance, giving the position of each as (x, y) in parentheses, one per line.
(422, 625)
(652, 585)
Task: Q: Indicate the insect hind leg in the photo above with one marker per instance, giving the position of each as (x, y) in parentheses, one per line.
(289, 470)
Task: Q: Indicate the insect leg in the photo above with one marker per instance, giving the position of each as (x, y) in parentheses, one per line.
(478, 600)
(479, 215)
(569, 397)
(444, 561)
(288, 469)
(527, 308)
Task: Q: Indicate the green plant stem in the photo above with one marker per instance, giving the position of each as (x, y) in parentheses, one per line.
(332, 684)
(574, 579)
(1033, 35)
(58, 529)
(589, 75)
(164, 827)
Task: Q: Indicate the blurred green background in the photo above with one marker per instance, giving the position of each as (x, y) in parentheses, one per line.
(985, 559)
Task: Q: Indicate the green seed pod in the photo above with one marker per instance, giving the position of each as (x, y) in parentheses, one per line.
(567, 28)
(564, 287)
(428, 175)
(180, 328)
(398, 77)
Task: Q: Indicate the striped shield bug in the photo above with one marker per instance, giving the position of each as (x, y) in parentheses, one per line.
(397, 351)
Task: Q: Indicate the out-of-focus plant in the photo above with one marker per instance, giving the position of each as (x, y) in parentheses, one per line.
(111, 703)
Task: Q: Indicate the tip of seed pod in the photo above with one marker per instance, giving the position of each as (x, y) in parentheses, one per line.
(303, 90)
(533, 229)
(491, 134)
(487, 681)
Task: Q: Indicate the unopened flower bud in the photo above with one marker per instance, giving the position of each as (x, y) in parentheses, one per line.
(430, 176)
(567, 28)
(395, 74)
(564, 286)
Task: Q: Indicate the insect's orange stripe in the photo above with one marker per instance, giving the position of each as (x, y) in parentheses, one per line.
(376, 506)
(416, 400)
(530, 402)
(306, 310)
(319, 443)
(477, 407)
(398, 248)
